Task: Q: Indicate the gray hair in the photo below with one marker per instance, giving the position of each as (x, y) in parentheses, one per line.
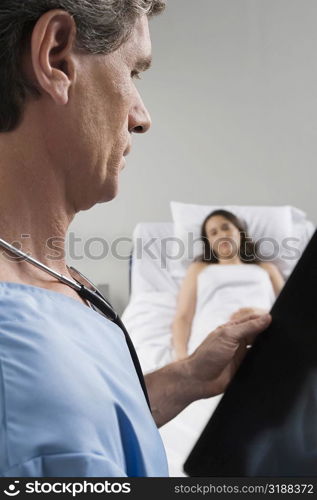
(102, 26)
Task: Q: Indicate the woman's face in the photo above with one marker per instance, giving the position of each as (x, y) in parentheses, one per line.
(223, 236)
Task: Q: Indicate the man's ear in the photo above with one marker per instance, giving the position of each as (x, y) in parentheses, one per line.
(52, 54)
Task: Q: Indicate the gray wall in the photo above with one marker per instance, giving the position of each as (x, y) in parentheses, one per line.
(233, 99)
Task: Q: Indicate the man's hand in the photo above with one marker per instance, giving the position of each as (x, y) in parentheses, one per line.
(206, 372)
(216, 360)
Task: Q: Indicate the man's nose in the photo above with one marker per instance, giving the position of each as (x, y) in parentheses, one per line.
(139, 119)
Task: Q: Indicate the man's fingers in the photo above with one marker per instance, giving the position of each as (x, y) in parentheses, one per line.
(248, 328)
(250, 317)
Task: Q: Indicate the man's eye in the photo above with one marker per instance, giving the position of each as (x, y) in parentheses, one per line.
(135, 75)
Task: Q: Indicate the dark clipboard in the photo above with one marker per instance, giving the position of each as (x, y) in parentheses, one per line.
(266, 422)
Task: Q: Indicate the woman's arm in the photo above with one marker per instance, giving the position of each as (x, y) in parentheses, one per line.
(275, 276)
(206, 372)
(185, 311)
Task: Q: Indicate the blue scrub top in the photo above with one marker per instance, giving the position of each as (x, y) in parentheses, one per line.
(70, 400)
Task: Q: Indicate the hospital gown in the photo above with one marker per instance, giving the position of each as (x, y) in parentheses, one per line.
(70, 400)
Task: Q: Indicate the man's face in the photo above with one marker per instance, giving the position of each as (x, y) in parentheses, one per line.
(103, 110)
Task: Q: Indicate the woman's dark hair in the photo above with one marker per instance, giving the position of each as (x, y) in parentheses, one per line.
(247, 250)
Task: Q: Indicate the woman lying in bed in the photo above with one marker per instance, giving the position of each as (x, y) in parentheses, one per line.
(227, 282)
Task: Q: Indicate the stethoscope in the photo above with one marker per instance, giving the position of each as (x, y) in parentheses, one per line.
(90, 293)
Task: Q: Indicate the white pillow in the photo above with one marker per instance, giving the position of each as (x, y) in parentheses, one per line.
(282, 233)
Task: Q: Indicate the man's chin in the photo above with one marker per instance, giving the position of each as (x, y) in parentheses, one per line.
(109, 193)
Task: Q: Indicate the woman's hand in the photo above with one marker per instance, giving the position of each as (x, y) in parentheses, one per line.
(180, 354)
(244, 312)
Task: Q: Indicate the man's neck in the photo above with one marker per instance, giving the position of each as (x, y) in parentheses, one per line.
(34, 218)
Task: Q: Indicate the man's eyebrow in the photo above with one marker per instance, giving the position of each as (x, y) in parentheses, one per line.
(143, 64)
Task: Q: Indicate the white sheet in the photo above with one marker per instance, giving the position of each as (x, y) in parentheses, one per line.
(222, 290)
(148, 318)
(180, 434)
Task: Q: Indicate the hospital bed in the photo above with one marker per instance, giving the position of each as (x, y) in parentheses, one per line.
(157, 270)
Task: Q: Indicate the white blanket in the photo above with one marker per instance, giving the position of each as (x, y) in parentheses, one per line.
(222, 290)
(148, 319)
